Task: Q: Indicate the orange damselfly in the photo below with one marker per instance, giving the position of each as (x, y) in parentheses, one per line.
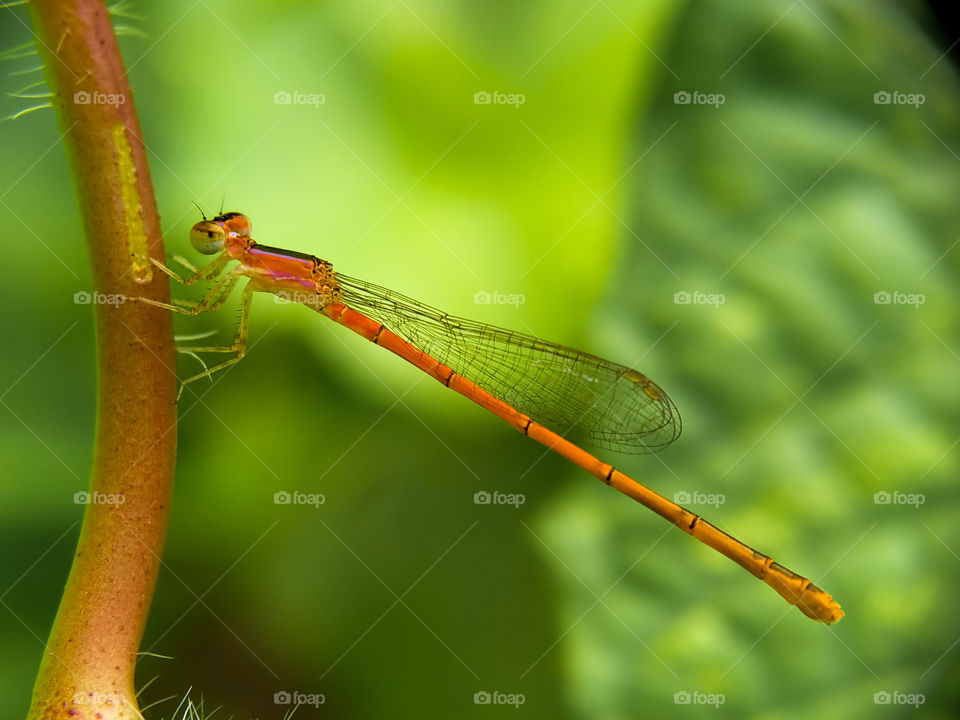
(540, 388)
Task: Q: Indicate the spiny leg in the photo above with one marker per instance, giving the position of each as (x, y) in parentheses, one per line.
(206, 273)
(239, 344)
(212, 301)
(189, 350)
(192, 350)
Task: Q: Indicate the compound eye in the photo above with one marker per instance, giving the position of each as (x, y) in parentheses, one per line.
(208, 237)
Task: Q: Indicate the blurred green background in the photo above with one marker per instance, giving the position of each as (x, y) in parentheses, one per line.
(598, 199)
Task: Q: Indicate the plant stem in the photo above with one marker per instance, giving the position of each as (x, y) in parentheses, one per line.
(88, 664)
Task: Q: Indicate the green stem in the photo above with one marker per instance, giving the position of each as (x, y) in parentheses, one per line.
(88, 664)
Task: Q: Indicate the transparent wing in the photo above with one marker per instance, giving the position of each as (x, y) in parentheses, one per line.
(561, 388)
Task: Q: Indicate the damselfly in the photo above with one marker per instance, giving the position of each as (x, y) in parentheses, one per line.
(544, 390)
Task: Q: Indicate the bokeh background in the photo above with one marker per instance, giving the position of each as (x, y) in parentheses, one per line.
(781, 199)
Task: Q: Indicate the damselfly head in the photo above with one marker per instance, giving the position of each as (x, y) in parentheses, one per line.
(208, 237)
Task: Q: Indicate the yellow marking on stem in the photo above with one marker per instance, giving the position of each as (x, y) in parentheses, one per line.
(133, 215)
